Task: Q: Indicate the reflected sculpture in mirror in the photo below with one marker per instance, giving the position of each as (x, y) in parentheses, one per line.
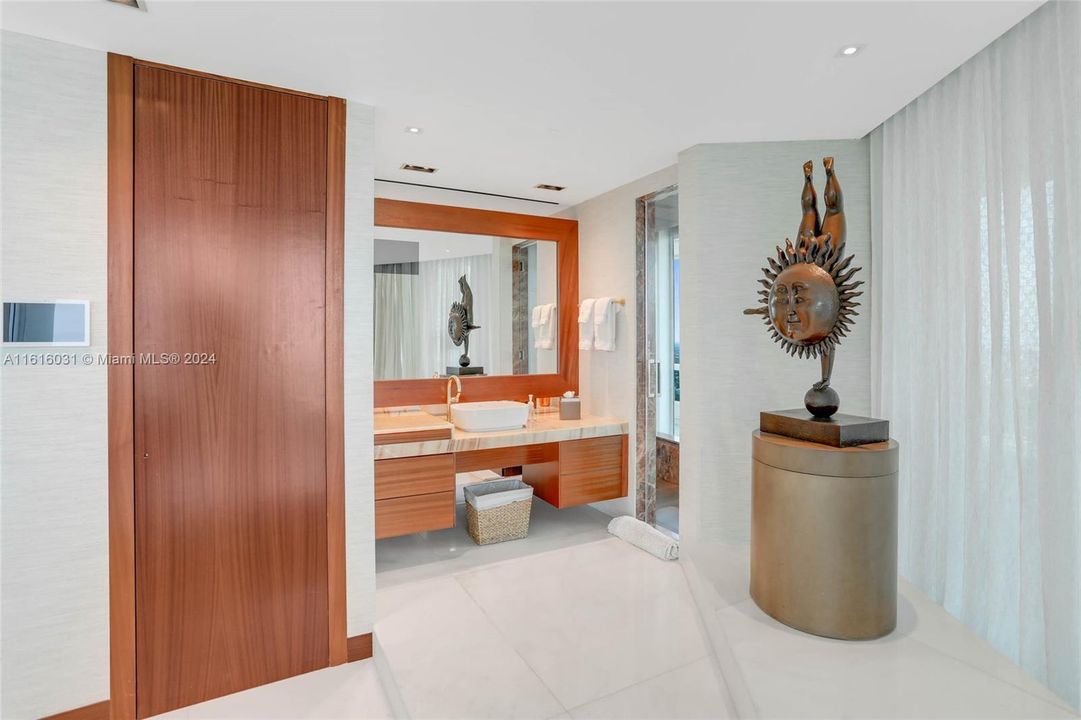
(460, 323)
(809, 296)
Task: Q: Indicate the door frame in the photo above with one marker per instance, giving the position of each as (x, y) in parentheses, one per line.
(645, 433)
(121, 375)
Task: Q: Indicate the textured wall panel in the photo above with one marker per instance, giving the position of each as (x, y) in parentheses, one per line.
(736, 202)
(53, 462)
(359, 351)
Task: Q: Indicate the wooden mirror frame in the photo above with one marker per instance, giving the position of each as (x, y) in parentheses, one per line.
(447, 218)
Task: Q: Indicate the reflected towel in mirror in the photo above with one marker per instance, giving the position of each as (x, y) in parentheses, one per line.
(544, 321)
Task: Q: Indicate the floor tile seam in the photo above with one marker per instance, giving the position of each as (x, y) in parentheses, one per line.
(690, 598)
(712, 619)
(506, 641)
(703, 656)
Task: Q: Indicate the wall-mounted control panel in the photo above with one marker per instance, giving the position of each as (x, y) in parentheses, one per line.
(50, 323)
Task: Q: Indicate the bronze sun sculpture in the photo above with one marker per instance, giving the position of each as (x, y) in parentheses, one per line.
(809, 296)
(460, 321)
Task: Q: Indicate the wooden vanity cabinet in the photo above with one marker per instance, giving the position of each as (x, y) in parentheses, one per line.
(414, 494)
(583, 471)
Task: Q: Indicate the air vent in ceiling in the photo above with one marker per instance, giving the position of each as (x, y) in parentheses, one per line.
(543, 186)
(419, 168)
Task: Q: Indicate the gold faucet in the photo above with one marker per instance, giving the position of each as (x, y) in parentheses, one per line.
(455, 380)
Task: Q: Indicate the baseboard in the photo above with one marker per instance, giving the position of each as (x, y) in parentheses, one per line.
(97, 711)
(359, 647)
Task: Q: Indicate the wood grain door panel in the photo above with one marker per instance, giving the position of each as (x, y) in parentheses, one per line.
(400, 477)
(230, 472)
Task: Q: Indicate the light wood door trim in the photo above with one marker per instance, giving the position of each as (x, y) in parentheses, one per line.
(402, 477)
(121, 390)
(446, 218)
(120, 243)
(335, 380)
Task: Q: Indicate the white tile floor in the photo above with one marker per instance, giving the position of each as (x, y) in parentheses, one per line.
(603, 630)
(594, 630)
(931, 666)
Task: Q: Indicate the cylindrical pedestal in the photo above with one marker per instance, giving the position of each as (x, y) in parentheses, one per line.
(824, 536)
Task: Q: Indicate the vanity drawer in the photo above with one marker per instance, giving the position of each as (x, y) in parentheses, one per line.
(591, 455)
(421, 475)
(417, 513)
(585, 471)
(591, 486)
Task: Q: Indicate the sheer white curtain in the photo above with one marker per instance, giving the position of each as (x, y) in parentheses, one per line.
(438, 288)
(977, 282)
(397, 352)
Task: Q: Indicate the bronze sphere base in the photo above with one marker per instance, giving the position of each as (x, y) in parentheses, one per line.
(822, 403)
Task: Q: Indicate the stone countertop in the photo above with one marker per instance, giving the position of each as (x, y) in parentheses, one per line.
(542, 428)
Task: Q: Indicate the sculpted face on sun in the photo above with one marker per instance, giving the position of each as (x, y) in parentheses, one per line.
(803, 303)
(809, 296)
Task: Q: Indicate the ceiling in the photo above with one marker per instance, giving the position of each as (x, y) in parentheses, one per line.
(586, 95)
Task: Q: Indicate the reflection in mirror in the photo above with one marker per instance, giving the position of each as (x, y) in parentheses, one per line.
(515, 290)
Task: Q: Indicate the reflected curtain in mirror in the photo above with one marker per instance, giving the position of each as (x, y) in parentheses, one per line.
(396, 313)
(411, 316)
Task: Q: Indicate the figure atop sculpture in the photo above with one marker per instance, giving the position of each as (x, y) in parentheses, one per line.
(460, 322)
(809, 296)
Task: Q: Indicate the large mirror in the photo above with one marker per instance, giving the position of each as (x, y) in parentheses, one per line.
(434, 287)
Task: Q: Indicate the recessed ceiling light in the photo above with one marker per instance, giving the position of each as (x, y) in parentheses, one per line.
(850, 50)
(414, 130)
(543, 186)
(419, 168)
(137, 4)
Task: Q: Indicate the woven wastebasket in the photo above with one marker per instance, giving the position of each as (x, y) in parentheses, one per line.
(498, 510)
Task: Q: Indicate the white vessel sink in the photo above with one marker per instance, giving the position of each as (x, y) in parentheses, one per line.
(487, 416)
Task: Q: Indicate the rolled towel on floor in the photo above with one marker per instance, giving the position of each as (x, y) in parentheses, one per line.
(644, 536)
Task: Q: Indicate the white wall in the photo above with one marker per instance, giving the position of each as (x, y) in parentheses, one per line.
(736, 203)
(53, 442)
(53, 461)
(606, 267)
(359, 353)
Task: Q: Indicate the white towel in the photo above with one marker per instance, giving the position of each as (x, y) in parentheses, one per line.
(585, 324)
(644, 536)
(544, 322)
(604, 324)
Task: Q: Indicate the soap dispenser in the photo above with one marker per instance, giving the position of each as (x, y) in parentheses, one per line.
(532, 406)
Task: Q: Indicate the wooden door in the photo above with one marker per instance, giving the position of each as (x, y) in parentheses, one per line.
(230, 229)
